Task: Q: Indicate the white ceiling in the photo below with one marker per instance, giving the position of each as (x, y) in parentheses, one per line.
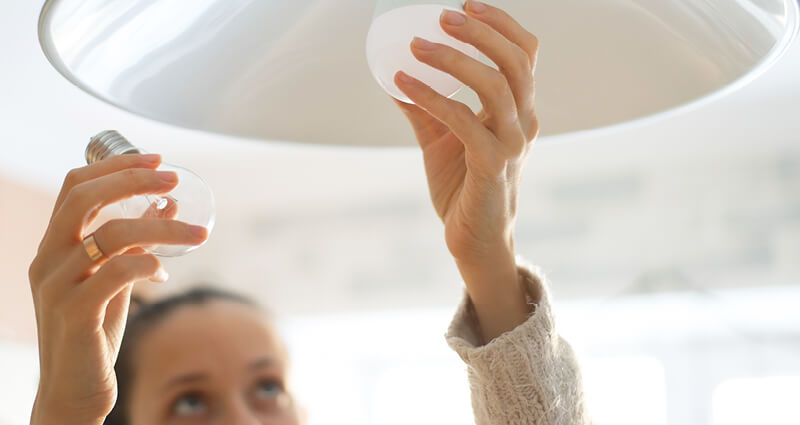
(708, 197)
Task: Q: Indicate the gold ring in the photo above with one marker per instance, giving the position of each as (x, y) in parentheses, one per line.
(90, 245)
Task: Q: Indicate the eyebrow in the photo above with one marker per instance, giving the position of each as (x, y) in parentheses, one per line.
(188, 378)
(261, 363)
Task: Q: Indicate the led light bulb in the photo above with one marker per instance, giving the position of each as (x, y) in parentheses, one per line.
(191, 201)
(394, 26)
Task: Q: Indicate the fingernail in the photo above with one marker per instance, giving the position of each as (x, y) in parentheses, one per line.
(402, 76)
(151, 158)
(161, 276)
(167, 176)
(453, 18)
(198, 232)
(422, 44)
(476, 6)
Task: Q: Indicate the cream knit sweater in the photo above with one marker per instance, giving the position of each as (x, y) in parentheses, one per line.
(525, 376)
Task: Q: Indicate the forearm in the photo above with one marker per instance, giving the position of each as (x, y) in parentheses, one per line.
(494, 286)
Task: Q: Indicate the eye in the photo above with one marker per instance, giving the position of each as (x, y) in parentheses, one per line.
(190, 404)
(268, 389)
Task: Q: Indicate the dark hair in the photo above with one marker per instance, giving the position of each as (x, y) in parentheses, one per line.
(143, 317)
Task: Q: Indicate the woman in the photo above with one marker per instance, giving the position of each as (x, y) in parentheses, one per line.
(210, 357)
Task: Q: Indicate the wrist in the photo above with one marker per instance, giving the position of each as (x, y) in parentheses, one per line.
(52, 417)
(47, 412)
(493, 276)
(487, 258)
(485, 254)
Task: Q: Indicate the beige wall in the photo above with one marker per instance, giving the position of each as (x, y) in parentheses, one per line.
(24, 213)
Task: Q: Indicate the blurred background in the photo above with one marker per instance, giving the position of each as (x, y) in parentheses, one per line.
(672, 246)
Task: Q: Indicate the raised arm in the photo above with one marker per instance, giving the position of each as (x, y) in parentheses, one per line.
(520, 371)
(474, 163)
(81, 290)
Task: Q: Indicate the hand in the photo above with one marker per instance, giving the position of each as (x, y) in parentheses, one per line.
(474, 163)
(82, 306)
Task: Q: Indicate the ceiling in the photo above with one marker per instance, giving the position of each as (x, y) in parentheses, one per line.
(706, 197)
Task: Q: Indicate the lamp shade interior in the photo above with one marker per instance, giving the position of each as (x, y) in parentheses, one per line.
(296, 70)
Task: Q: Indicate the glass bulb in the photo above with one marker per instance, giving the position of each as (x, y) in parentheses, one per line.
(190, 202)
(394, 25)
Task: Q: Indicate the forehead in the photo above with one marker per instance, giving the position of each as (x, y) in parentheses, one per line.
(219, 338)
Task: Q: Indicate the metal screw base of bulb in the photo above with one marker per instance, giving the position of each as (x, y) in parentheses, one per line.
(107, 144)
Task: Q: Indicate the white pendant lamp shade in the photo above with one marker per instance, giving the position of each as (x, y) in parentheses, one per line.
(298, 71)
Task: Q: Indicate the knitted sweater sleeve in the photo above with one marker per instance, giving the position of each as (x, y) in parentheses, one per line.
(527, 376)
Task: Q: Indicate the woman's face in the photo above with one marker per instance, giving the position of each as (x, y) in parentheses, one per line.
(215, 363)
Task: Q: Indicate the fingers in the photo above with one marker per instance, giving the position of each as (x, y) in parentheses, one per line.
(509, 45)
(127, 236)
(102, 168)
(84, 199)
(426, 127)
(91, 292)
(116, 275)
(457, 116)
(118, 236)
(512, 60)
(491, 85)
(503, 23)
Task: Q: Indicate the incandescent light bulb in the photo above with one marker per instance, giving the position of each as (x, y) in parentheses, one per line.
(394, 25)
(191, 201)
